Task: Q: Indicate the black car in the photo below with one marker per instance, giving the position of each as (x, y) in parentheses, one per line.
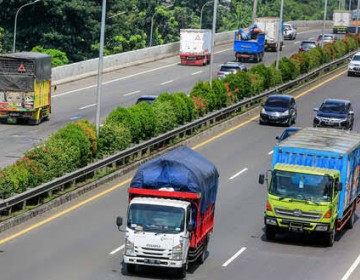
(279, 109)
(149, 99)
(337, 113)
(307, 45)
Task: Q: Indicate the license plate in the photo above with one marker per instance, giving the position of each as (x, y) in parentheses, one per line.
(150, 261)
(296, 229)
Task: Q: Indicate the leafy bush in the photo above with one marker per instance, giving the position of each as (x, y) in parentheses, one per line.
(276, 78)
(90, 131)
(201, 95)
(257, 83)
(165, 115)
(239, 84)
(314, 57)
(301, 62)
(147, 118)
(113, 137)
(6, 188)
(265, 72)
(190, 106)
(178, 105)
(219, 90)
(288, 69)
(58, 57)
(339, 47)
(329, 48)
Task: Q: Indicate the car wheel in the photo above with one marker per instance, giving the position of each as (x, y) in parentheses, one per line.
(349, 74)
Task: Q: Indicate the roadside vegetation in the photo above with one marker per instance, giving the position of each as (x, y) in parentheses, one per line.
(69, 30)
(75, 145)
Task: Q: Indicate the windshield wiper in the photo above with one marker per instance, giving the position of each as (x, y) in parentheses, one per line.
(312, 200)
(162, 231)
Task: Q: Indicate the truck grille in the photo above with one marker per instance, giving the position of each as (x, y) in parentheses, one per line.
(152, 253)
(297, 214)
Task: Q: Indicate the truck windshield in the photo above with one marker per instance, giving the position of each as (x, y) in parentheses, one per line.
(301, 186)
(156, 218)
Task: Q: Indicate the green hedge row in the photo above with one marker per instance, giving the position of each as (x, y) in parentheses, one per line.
(75, 145)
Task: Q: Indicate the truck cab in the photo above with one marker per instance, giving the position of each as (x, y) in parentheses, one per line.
(157, 232)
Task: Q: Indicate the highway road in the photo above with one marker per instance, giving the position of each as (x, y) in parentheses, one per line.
(76, 100)
(80, 240)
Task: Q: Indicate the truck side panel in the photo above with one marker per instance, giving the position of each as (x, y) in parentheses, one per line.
(42, 93)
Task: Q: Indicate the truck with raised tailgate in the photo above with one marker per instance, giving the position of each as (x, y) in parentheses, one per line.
(271, 27)
(341, 21)
(171, 211)
(313, 186)
(25, 87)
(195, 46)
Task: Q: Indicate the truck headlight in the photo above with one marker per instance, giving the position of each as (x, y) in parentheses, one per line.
(177, 252)
(321, 228)
(129, 248)
(270, 221)
(263, 111)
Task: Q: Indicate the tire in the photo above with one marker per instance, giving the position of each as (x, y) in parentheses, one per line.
(34, 122)
(349, 74)
(130, 267)
(329, 238)
(202, 257)
(270, 232)
(181, 273)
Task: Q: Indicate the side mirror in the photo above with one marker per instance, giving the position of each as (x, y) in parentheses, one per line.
(277, 138)
(190, 227)
(119, 222)
(261, 179)
(316, 109)
(351, 112)
(338, 187)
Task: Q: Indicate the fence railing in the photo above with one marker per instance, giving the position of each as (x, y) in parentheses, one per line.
(146, 148)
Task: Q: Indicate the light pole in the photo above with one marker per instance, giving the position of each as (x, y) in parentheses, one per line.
(323, 27)
(28, 4)
(279, 35)
(349, 5)
(254, 11)
(152, 24)
(100, 67)
(202, 8)
(213, 41)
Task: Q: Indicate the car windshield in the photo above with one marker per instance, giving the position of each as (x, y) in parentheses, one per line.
(228, 68)
(335, 108)
(308, 45)
(148, 100)
(326, 37)
(287, 133)
(156, 218)
(301, 186)
(277, 102)
(356, 58)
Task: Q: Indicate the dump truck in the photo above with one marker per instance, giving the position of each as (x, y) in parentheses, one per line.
(25, 87)
(171, 211)
(341, 20)
(249, 49)
(271, 27)
(195, 46)
(313, 185)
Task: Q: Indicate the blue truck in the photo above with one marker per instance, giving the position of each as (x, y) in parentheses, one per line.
(249, 49)
(313, 186)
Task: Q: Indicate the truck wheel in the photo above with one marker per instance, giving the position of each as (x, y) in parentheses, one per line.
(130, 267)
(202, 257)
(351, 221)
(330, 237)
(34, 122)
(270, 232)
(182, 271)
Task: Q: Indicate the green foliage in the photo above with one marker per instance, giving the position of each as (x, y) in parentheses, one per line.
(6, 188)
(265, 72)
(301, 62)
(147, 119)
(239, 84)
(314, 57)
(166, 116)
(276, 77)
(257, 83)
(203, 97)
(220, 92)
(58, 57)
(178, 105)
(113, 137)
(90, 131)
(190, 106)
(340, 48)
(1, 45)
(288, 69)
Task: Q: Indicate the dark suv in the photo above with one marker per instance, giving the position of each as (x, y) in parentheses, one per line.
(337, 113)
(279, 109)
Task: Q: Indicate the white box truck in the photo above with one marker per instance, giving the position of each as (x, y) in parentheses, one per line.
(195, 46)
(341, 20)
(271, 26)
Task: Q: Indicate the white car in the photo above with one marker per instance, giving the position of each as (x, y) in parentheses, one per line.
(354, 65)
(290, 31)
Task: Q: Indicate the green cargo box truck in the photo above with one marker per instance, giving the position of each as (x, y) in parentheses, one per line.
(25, 87)
(313, 185)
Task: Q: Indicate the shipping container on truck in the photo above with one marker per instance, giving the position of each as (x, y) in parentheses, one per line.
(313, 186)
(195, 46)
(171, 211)
(341, 20)
(25, 87)
(271, 26)
(249, 49)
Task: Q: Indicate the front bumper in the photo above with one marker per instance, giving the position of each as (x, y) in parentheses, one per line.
(291, 225)
(274, 119)
(159, 262)
(354, 70)
(342, 124)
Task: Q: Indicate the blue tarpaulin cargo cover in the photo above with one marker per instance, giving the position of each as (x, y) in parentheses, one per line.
(183, 170)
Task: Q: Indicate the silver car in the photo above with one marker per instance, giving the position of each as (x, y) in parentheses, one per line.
(354, 65)
(290, 31)
(230, 68)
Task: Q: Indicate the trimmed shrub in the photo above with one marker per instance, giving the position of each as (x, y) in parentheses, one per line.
(190, 106)
(90, 131)
(202, 95)
(340, 49)
(257, 83)
(314, 57)
(165, 115)
(301, 62)
(329, 48)
(6, 189)
(265, 72)
(288, 69)
(113, 137)
(276, 78)
(239, 84)
(219, 90)
(178, 105)
(147, 118)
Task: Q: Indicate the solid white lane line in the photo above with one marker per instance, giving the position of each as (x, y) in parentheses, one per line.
(167, 82)
(117, 250)
(88, 106)
(131, 93)
(237, 174)
(198, 72)
(351, 269)
(270, 153)
(234, 257)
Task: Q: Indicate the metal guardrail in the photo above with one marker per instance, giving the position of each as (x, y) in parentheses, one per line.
(137, 151)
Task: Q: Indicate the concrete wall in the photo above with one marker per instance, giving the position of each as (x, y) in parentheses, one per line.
(87, 68)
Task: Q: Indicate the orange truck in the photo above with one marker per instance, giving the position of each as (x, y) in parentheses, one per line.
(25, 87)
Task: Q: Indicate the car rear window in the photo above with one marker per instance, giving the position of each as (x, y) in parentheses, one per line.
(326, 37)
